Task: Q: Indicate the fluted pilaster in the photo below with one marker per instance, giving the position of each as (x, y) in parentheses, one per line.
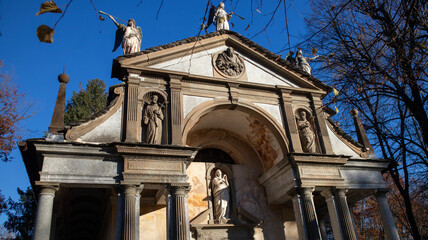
(131, 214)
(180, 213)
(313, 231)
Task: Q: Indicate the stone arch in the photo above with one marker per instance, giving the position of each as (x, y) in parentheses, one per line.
(258, 121)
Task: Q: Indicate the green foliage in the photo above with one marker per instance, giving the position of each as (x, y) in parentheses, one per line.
(21, 214)
(85, 103)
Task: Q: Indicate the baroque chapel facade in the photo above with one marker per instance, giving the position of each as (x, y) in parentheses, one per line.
(210, 137)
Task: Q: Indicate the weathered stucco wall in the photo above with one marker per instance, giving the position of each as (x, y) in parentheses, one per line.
(108, 131)
(153, 223)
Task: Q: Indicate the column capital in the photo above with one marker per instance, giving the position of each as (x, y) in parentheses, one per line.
(341, 192)
(132, 189)
(307, 191)
(327, 193)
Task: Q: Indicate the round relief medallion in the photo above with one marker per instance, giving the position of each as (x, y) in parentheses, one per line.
(229, 64)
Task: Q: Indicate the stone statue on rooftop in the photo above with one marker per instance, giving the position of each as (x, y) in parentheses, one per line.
(306, 134)
(129, 36)
(221, 17)
(221, 194)
(153, 118)
(303, 62)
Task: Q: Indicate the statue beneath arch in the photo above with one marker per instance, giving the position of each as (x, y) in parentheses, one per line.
(221, 196)
(153, 118)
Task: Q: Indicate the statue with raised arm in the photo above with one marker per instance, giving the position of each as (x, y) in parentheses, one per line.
(153, 118)
(221, 194)
(306, 134)
(129, 36)
(303, 62)
(221, 17)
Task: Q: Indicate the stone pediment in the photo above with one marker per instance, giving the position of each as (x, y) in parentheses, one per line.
(196, 56)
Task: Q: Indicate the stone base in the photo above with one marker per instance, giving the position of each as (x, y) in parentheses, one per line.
(223, 231)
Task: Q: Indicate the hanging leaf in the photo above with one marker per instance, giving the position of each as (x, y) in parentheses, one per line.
(337, 110)
(101, 18)
(231, 23)
(258, 10)
(335, 92)
(45, 34)
(314, 51)
(49, 6)
(331, 55)
(332, 8)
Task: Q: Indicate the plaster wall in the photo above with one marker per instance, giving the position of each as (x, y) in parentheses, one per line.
(273, 110)
(190, 102)
(201, 64)
(197, 197)
(198, 63)
(259, 74)
(339, 147)
(108, 131)
(153, 223)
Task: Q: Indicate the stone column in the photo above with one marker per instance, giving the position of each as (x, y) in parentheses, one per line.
(176, 109)
(289, 121)
(180, 212)
(299, 214)
(43, 223)
(386, 215)
(333, 214)
(131, 214)
(345, 216)
(323, 229)
(310, 216)
(321, 124)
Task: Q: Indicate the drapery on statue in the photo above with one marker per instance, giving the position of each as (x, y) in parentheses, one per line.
(221, 194)
(129, 36)
(153, 118)
(307, 135)
(303, 62)
(221, 18)
(229, 63)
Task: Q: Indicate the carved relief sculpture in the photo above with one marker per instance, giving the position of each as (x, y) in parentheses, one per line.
(153, 118)
(229, 63)
(221, 195)
(307, 135)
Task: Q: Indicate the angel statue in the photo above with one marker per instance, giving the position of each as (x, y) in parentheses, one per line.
(220, 16)
(303, 62)
(130, 36)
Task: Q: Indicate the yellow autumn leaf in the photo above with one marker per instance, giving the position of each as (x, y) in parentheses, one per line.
(423, 44)
(335, 92)
(337, 110)
(258, 10)
(49, 6)
(45, 34)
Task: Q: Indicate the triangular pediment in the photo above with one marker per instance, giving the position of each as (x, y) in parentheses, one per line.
(194, 56)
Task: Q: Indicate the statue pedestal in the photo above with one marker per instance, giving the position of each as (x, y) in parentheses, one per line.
(223, 231)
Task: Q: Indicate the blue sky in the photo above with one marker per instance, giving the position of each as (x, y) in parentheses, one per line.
(83, 46)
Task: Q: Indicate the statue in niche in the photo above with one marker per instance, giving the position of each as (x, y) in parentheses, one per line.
(307, 135)
(153, 118)
(221, 194)
(229, 63)
(303, 62)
